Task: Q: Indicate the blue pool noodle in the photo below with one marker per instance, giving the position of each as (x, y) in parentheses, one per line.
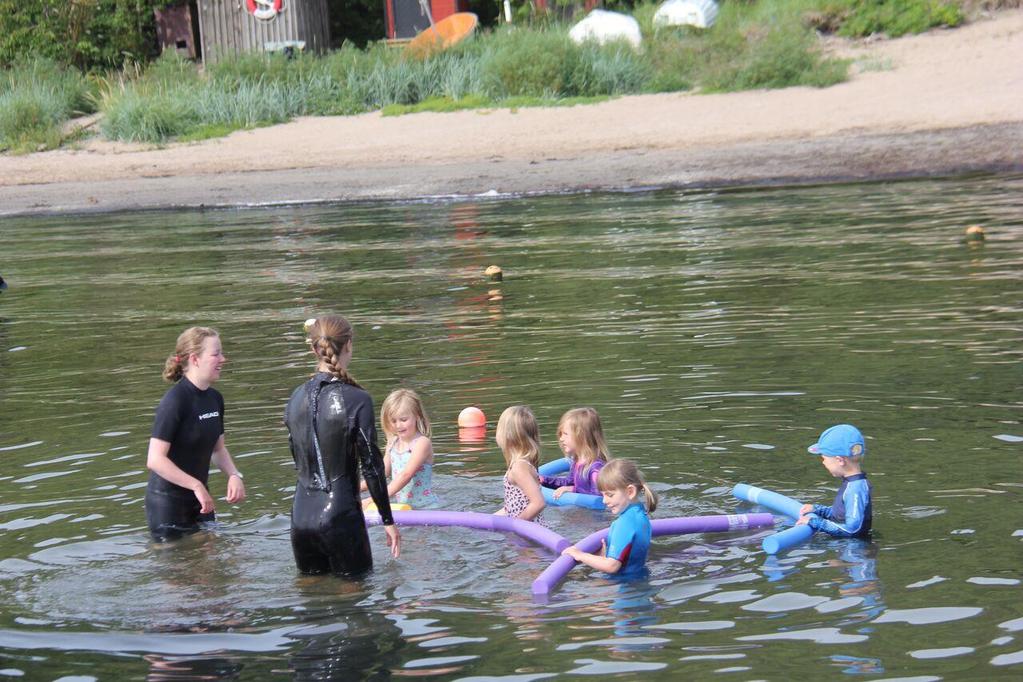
(786, 539)
(572, 499)
(782, 540)
(776, 502)
(560, 466)
(555, 466)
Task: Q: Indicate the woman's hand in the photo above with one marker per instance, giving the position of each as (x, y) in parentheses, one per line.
(206, 504)
(393, 540)
(235, 486)
(235, 489)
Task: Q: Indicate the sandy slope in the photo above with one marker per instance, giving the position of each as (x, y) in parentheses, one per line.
(939, 103)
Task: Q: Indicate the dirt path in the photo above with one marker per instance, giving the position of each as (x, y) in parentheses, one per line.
(945, 102)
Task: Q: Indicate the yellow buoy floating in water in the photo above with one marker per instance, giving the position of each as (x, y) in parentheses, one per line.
(975, 233)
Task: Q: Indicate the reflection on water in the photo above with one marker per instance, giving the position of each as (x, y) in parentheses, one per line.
(717, 333)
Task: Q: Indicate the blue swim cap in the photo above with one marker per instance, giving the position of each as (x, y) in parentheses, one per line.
(842, 440)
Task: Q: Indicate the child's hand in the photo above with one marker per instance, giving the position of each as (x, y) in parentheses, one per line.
(805, 509)
(573, 552)
(803, 520)
(562, 490)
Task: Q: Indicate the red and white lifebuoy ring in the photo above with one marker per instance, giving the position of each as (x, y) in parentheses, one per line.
(264, 10)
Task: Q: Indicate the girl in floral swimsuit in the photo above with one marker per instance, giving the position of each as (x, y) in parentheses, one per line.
(408, 460)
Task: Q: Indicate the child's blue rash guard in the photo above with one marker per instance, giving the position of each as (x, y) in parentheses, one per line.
(628, 539)
(849, 516)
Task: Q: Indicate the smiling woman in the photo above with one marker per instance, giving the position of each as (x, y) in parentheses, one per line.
(188, 432)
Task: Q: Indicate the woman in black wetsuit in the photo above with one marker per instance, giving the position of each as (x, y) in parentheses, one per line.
(332, 434)
(188, 432)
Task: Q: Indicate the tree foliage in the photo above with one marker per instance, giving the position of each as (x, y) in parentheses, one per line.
(90, 34)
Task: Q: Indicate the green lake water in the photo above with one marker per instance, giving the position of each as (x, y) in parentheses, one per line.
(716, 332)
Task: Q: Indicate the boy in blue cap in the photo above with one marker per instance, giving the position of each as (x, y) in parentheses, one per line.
(842, 449)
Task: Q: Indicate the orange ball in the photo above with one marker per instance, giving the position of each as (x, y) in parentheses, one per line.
(471, 416)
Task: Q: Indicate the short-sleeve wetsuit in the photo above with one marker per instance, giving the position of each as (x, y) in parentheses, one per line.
(191, 420)
(628, 540)
(850, 515)
(582, 479)
(328, 529)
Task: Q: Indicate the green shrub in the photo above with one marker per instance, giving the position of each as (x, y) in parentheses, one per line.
(860, 18)
(91, 34)
(615, 69)
(775, 58)
(37, 97)
(535, 63)
(154, 116)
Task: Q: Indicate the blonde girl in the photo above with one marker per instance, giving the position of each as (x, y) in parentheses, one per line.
(629, 498)
(581, 437)
(518, 436)
(408, 459)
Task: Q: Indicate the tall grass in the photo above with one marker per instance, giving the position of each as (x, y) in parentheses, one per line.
(762, 44)
(37, 98)
(858, 18)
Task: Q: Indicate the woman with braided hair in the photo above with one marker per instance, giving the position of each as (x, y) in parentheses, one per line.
(188, 432)
(332, 435)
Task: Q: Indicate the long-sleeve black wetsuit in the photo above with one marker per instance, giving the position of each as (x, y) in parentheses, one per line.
(328, 529)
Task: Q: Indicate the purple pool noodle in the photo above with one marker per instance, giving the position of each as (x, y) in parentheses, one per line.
(708, 524)
(527, 529)
(785, 539)
(546, 581)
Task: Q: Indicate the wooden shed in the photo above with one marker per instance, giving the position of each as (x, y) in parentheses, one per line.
(228, 27)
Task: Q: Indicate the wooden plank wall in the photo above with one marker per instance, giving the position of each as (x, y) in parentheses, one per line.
(227, 28)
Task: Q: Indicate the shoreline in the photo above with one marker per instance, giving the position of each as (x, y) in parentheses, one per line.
(941, 104)
(991, 148)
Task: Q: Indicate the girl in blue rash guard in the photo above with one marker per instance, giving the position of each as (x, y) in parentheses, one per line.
(628, 539)
(188, 432)
(842, 449)
(332, 433)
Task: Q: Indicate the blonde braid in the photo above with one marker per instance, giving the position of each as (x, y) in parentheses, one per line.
(328, 334)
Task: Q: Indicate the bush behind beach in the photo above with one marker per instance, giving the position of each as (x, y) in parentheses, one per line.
(37, 96)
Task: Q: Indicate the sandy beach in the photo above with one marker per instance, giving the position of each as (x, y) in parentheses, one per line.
(938, 104)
